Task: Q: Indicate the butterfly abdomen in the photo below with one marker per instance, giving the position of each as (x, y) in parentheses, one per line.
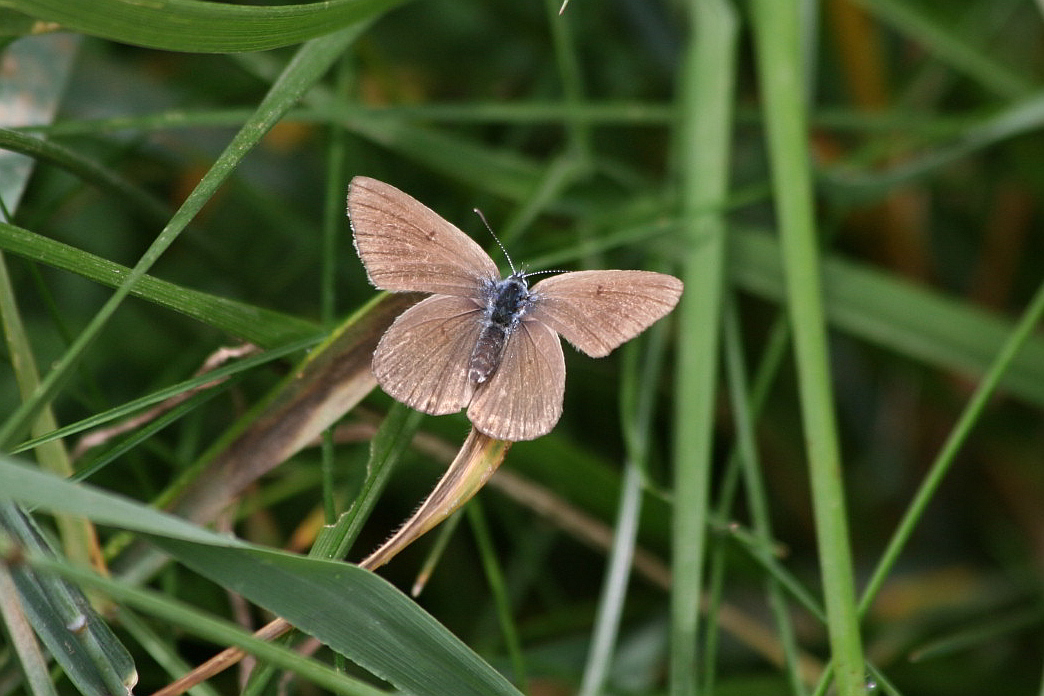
(485, 358)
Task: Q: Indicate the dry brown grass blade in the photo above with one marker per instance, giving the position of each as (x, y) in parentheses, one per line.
(331, 380)
(478, 458)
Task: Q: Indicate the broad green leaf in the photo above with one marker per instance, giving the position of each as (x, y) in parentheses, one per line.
(352, 610)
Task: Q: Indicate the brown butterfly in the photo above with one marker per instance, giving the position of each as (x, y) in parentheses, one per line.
(480, 341)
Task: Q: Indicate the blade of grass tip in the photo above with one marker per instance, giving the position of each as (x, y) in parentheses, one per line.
(477, 460)
(442, 539)
(780, 62)
(307, 66)
(90, 655)
(501, 595)
(704, 143)
(961, 430)
(159, 648)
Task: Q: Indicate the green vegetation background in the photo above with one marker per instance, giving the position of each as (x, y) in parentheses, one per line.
(869, 170)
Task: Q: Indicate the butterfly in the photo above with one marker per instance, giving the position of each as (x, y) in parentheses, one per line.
(482, 342)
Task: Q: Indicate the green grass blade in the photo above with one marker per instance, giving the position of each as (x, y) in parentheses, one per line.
(198, 623)
(88, 169)
(780, 67)
(354, 612)
(93, 658)
(1031, 318)
(704, 148)
(637, 407)
(202, 27)
(499, 590)
(263, 327)
(744, 413)
(386, 449)
(136, 406)
(160, 649)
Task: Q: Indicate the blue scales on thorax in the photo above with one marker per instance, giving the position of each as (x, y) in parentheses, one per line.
(507, 302)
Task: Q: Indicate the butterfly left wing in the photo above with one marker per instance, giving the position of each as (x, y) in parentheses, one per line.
(523, 398)
(406, 246)
(596, 311)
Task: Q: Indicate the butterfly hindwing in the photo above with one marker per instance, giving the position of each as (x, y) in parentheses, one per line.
(422, 360)
(596, 311)
(523, 398)
(406, 246)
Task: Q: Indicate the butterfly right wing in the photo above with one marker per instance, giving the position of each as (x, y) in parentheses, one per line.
(596, 311)
(422, 360)
(406, 246)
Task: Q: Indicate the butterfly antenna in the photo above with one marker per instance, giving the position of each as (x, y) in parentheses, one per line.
(550, 270)
(497, 239)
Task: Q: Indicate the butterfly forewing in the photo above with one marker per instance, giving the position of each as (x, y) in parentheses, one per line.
(422, 360)
(523, 398)
(406, 246)
(596, 311)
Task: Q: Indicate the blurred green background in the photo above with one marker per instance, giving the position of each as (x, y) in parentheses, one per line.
(568, 132)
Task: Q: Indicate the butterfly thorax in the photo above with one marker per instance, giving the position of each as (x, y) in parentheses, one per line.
(507, 301)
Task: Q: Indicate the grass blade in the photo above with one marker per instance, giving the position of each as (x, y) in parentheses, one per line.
(704, 143)
(780, 64)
